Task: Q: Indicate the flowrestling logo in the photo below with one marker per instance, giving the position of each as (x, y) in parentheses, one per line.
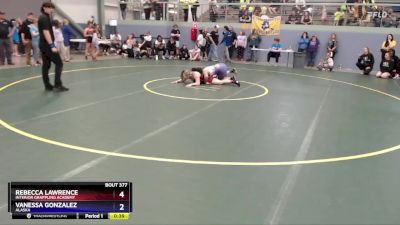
(380, 14)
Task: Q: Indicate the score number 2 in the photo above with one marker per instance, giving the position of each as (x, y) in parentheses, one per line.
(121, 206)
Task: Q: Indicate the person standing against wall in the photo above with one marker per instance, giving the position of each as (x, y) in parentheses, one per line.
(5, 41)
(49, 50)
(254, 41)
(303, 42)
(312, 50)
(332, 45)
(26, 38)
(388, 44)
(176, 34)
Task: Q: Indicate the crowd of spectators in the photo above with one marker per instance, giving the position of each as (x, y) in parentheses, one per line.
(349, 13)
(21, 38)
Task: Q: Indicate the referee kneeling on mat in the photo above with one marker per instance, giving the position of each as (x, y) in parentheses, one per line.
(49, 50)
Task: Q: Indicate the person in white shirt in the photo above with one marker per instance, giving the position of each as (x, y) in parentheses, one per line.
(195, 54)
(59, 38)
(300, 4)
(202, 43)
(159, 46)
(95, 42)
(148, 42)
(132, 47)
(241, 44)
(116, 42)
(326, 64)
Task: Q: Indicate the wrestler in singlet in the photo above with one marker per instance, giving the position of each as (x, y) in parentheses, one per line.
(219, 70)
(202, 80)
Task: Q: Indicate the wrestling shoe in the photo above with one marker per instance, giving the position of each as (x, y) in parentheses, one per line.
(60, 89)
(234, 81)
(48, 87)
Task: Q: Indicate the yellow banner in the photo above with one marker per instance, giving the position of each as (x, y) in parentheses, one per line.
(267, 27)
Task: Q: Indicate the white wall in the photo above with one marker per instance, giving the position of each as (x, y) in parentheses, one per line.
(111, 8)
(79, 10)
(20, 8)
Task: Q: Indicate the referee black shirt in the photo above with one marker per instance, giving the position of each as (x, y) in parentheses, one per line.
(44, 23)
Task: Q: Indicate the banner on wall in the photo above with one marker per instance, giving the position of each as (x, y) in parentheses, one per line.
(267, 27)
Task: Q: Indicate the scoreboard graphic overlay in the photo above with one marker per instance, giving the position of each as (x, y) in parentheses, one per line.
(70, 200)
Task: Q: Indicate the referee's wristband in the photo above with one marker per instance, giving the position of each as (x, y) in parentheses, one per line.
(52, 45)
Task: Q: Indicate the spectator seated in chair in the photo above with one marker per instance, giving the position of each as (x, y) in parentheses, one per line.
(245, 17)
(275, 50)
(390, 20)
(338, 17)
(293, 18)
(306, 19)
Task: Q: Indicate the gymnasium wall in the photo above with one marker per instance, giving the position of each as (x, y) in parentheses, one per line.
(79, 10)
(20, 8)
(351, 40)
